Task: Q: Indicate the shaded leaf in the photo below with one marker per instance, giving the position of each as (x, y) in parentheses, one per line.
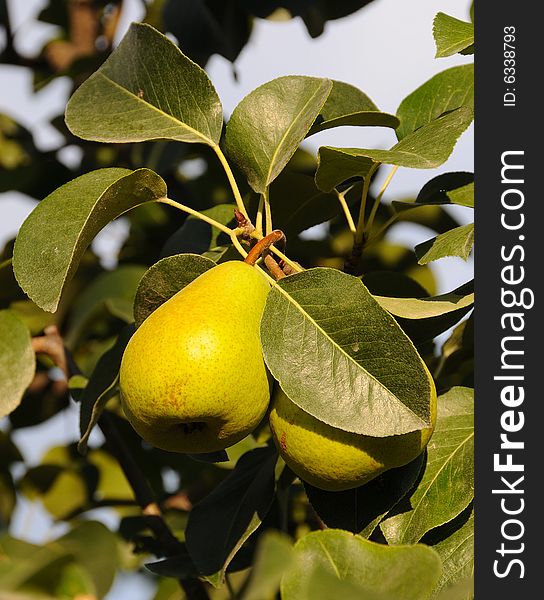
(101, 387)
(361, 509)
(402, 572)
(298, 205)
(334, 166)
(164, 279)
(449, 472)
(204, 28)
(426, 148)
(347, 105)
(57, 232)
(231, 513)
(9, 288)
(17, 361)
(146, 90)
(452, 35)
(196, 236)
(456, 242)
(448, 188)
(179, 566)
(324, 336)
(446, 91)
(268, 125)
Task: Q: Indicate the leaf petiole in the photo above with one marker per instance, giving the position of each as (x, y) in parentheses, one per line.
(232, 180)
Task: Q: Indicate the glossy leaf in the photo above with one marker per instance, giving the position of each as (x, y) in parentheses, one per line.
(361, 509)
(449, 472)
(446, 91)
(231, 513)
(17, 361)
(426, 148)
(334, 166)
(456, 242)
(164, 279)
(57, 232)
(403, 572)
(452, 35)
(268, 125)
(101, 386)
(347, 105)
(324, 336)
(146, 90)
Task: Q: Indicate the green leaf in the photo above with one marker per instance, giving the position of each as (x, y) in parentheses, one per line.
(231, 513)
(268, 125)
(334, 166)
(422, 317)
(101, 387)
(449, 473)
(17, 361)
(347, 105)
(273, 557)
(446, 91)
(146, 90)
(57, 232)
(61, 489)
(110, 290)
(94, 547)
(23, 563)
(325, 337)
(456, 242)
(402, 572)
(448, 188)
(298, 205)
(321, 584)
(452, 35)
(426, 148)
(164, 279)
(361, 509)
(425, 308)
(456, 549)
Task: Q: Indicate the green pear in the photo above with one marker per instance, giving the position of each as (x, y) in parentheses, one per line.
(192, 377)
(332, 459)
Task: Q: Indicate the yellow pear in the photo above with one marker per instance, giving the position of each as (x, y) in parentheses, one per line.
(193, 377)
(332, 459)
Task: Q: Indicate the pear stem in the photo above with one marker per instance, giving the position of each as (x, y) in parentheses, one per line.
(264, 244)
